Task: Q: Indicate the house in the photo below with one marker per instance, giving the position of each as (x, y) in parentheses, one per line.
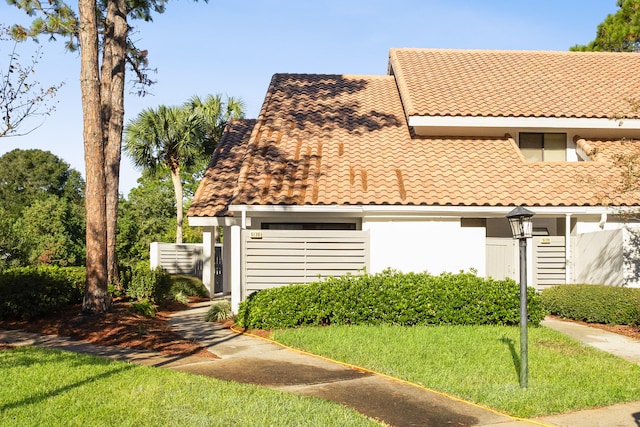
(416, 170)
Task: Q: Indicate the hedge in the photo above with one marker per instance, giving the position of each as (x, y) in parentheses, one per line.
(152, 285)
(390, 298)
(594, 303)
(29, 292)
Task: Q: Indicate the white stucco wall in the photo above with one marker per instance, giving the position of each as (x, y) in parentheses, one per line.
(435, 246)
(598, 258)
(609, 255)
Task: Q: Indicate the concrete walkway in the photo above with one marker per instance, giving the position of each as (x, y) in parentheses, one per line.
(253, 360)
(619, 345)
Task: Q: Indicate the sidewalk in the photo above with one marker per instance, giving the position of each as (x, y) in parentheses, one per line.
(253, 360)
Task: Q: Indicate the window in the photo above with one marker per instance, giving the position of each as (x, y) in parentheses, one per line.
(544, 147)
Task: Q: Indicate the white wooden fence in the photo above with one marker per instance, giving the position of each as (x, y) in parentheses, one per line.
(549, 261)
(184, 259)
(274, 258)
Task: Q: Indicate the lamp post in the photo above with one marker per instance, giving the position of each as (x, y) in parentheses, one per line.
(522, 229)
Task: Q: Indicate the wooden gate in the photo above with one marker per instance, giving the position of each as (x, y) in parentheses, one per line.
(502, 258)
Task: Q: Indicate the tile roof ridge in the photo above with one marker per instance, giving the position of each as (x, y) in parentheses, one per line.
(384, 76)
(583, 144)
(505, 51)
(215, 156)
(515, 147)
(400, 79)
(244, 169)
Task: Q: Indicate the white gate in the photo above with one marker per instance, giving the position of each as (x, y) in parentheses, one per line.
(502, 258)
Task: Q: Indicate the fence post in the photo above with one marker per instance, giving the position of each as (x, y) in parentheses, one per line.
(154, 255)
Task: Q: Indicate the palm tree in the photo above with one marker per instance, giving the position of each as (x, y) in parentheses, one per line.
(216, 113)
(175, 138)
(166, 138)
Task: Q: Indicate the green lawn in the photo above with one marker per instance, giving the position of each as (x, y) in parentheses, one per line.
(54, 388)
(481, 364)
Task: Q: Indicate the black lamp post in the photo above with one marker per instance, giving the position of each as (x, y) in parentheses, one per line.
(522, 229)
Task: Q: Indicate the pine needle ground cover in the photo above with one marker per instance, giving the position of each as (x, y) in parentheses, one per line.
(481, 364)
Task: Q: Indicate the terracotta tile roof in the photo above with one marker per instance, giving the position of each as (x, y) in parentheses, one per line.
(624, 154)
(446, 82)
(608, 150)
(344, 140)
(215, 192)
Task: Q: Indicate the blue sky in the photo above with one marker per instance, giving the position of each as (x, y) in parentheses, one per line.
(234, 47)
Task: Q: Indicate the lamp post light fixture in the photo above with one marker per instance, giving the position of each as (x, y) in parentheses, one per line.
(522, 229)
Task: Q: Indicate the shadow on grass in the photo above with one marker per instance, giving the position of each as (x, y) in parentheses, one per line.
(514, 354)
(37, 398)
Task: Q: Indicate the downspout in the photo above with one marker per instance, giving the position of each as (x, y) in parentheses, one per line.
(237, 266)
(567, 249)
(603, 220)
(244, 218)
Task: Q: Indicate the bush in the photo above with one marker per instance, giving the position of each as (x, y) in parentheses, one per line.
(594, 303)
(29, 292)
(219, 311)
(144, 308)
(149, 285)
(391, 298)
(189, 286)
(181, 297)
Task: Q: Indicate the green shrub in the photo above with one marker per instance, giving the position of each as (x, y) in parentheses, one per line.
(219, 311)
(181, 297)
(189, 286)
(149, 285)
(144, 308)
(126, 274)
(594, 303)
(391, 298)
(29, 292)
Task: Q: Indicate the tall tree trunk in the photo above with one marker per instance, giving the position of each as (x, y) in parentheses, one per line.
(113, 72)
(177, 188)
(96, 298)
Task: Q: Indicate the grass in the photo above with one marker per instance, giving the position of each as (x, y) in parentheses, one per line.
(481, 364)
(53, 388)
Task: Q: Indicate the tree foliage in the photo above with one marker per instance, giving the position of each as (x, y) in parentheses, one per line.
(21, 96)
(101, 31)
(619, 32)
(169, 140)
(42, 218)
(30, 175)
(51, 232)
(147, 216)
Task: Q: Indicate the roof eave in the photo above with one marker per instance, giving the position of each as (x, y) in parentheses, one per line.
(523, 122)
(423, 210)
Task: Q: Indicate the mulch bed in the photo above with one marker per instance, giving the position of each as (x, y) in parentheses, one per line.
(121, 327)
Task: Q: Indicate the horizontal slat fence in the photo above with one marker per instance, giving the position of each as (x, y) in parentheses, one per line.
(549, 256)
(273, 258)
(184, 259)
